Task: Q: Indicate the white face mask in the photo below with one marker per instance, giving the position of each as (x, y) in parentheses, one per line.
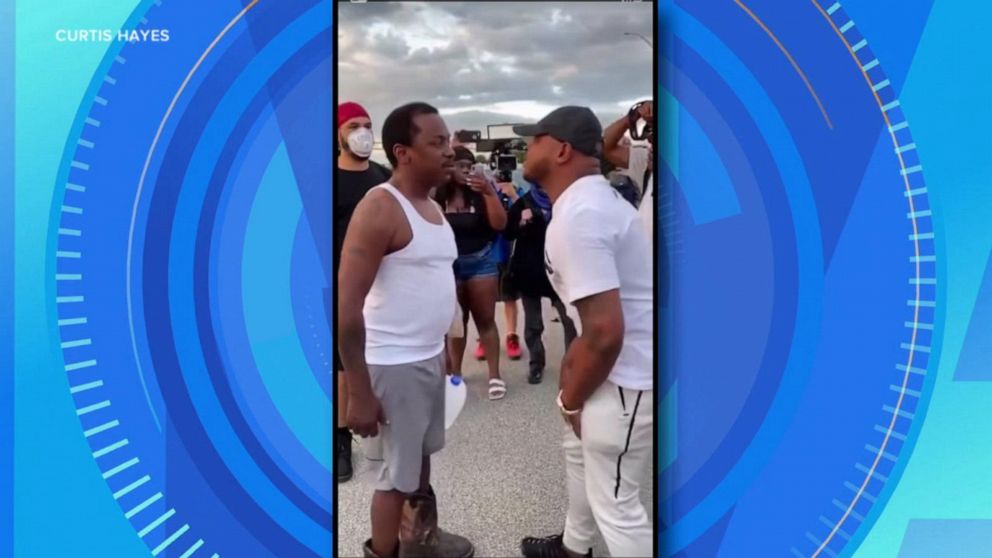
(360, 142)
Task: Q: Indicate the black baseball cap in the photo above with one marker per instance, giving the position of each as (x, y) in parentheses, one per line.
(577, 126)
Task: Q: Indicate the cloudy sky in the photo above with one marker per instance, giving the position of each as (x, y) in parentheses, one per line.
(485, 63)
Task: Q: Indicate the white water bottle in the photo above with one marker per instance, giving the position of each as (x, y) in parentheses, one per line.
(454, 399)
(372, 447)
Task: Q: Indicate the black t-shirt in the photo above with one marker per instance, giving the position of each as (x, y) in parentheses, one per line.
(351, 188)
(470, 225)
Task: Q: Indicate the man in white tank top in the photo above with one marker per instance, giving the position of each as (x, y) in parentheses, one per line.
(594, 257)
(395, 302)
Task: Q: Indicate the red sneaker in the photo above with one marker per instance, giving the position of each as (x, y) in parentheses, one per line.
(513, 346)
(480, 351)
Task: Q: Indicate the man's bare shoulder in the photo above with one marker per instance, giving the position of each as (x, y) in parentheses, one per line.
(376, 208)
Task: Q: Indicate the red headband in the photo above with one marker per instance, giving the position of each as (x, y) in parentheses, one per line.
(347, 111)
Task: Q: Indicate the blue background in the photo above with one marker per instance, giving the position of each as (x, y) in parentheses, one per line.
(826, 311)
(828, 304)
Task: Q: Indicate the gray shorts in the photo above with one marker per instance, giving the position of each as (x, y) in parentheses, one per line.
(412, 398)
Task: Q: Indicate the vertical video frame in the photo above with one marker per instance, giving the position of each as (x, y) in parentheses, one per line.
(494, 279)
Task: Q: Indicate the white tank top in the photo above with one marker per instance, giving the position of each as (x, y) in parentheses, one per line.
(409, 309)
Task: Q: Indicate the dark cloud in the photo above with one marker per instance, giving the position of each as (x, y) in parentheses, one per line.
(479, 54)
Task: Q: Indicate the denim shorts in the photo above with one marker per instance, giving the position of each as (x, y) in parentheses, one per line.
(477, 264)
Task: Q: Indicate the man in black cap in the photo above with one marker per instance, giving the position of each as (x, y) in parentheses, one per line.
(594, 257)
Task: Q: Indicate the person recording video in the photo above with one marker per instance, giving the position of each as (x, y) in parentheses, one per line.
(509, 294)
(508, 193)
(638, 160)
(475, 213)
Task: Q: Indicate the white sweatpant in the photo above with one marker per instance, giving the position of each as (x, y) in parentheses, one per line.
(605, 470)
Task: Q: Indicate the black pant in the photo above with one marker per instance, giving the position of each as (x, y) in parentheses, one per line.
(534, 328)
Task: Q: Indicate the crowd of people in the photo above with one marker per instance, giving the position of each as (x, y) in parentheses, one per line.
(434, 241)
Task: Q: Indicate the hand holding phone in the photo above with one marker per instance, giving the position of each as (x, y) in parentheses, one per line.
(643, 111)
(478, 183)
(646, 110)
(468, 136)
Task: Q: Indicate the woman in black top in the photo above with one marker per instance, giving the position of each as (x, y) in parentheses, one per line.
(476, 215)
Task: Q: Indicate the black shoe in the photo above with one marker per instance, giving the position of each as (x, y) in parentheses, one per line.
(548, 547)
(535, 377)
(343, 455)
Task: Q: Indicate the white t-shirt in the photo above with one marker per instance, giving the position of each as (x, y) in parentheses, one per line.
(637, 165)
(596, 243)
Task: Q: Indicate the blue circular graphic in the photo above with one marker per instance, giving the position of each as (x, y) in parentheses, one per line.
(191, 269)
(801, 291)
(190, 245)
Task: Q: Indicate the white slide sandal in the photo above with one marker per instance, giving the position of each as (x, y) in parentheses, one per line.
(497, 389)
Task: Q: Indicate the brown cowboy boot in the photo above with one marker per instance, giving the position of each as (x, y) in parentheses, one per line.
(368, 552)
(420, 537)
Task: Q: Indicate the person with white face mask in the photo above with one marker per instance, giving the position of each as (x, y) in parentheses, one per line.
(355, 176)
